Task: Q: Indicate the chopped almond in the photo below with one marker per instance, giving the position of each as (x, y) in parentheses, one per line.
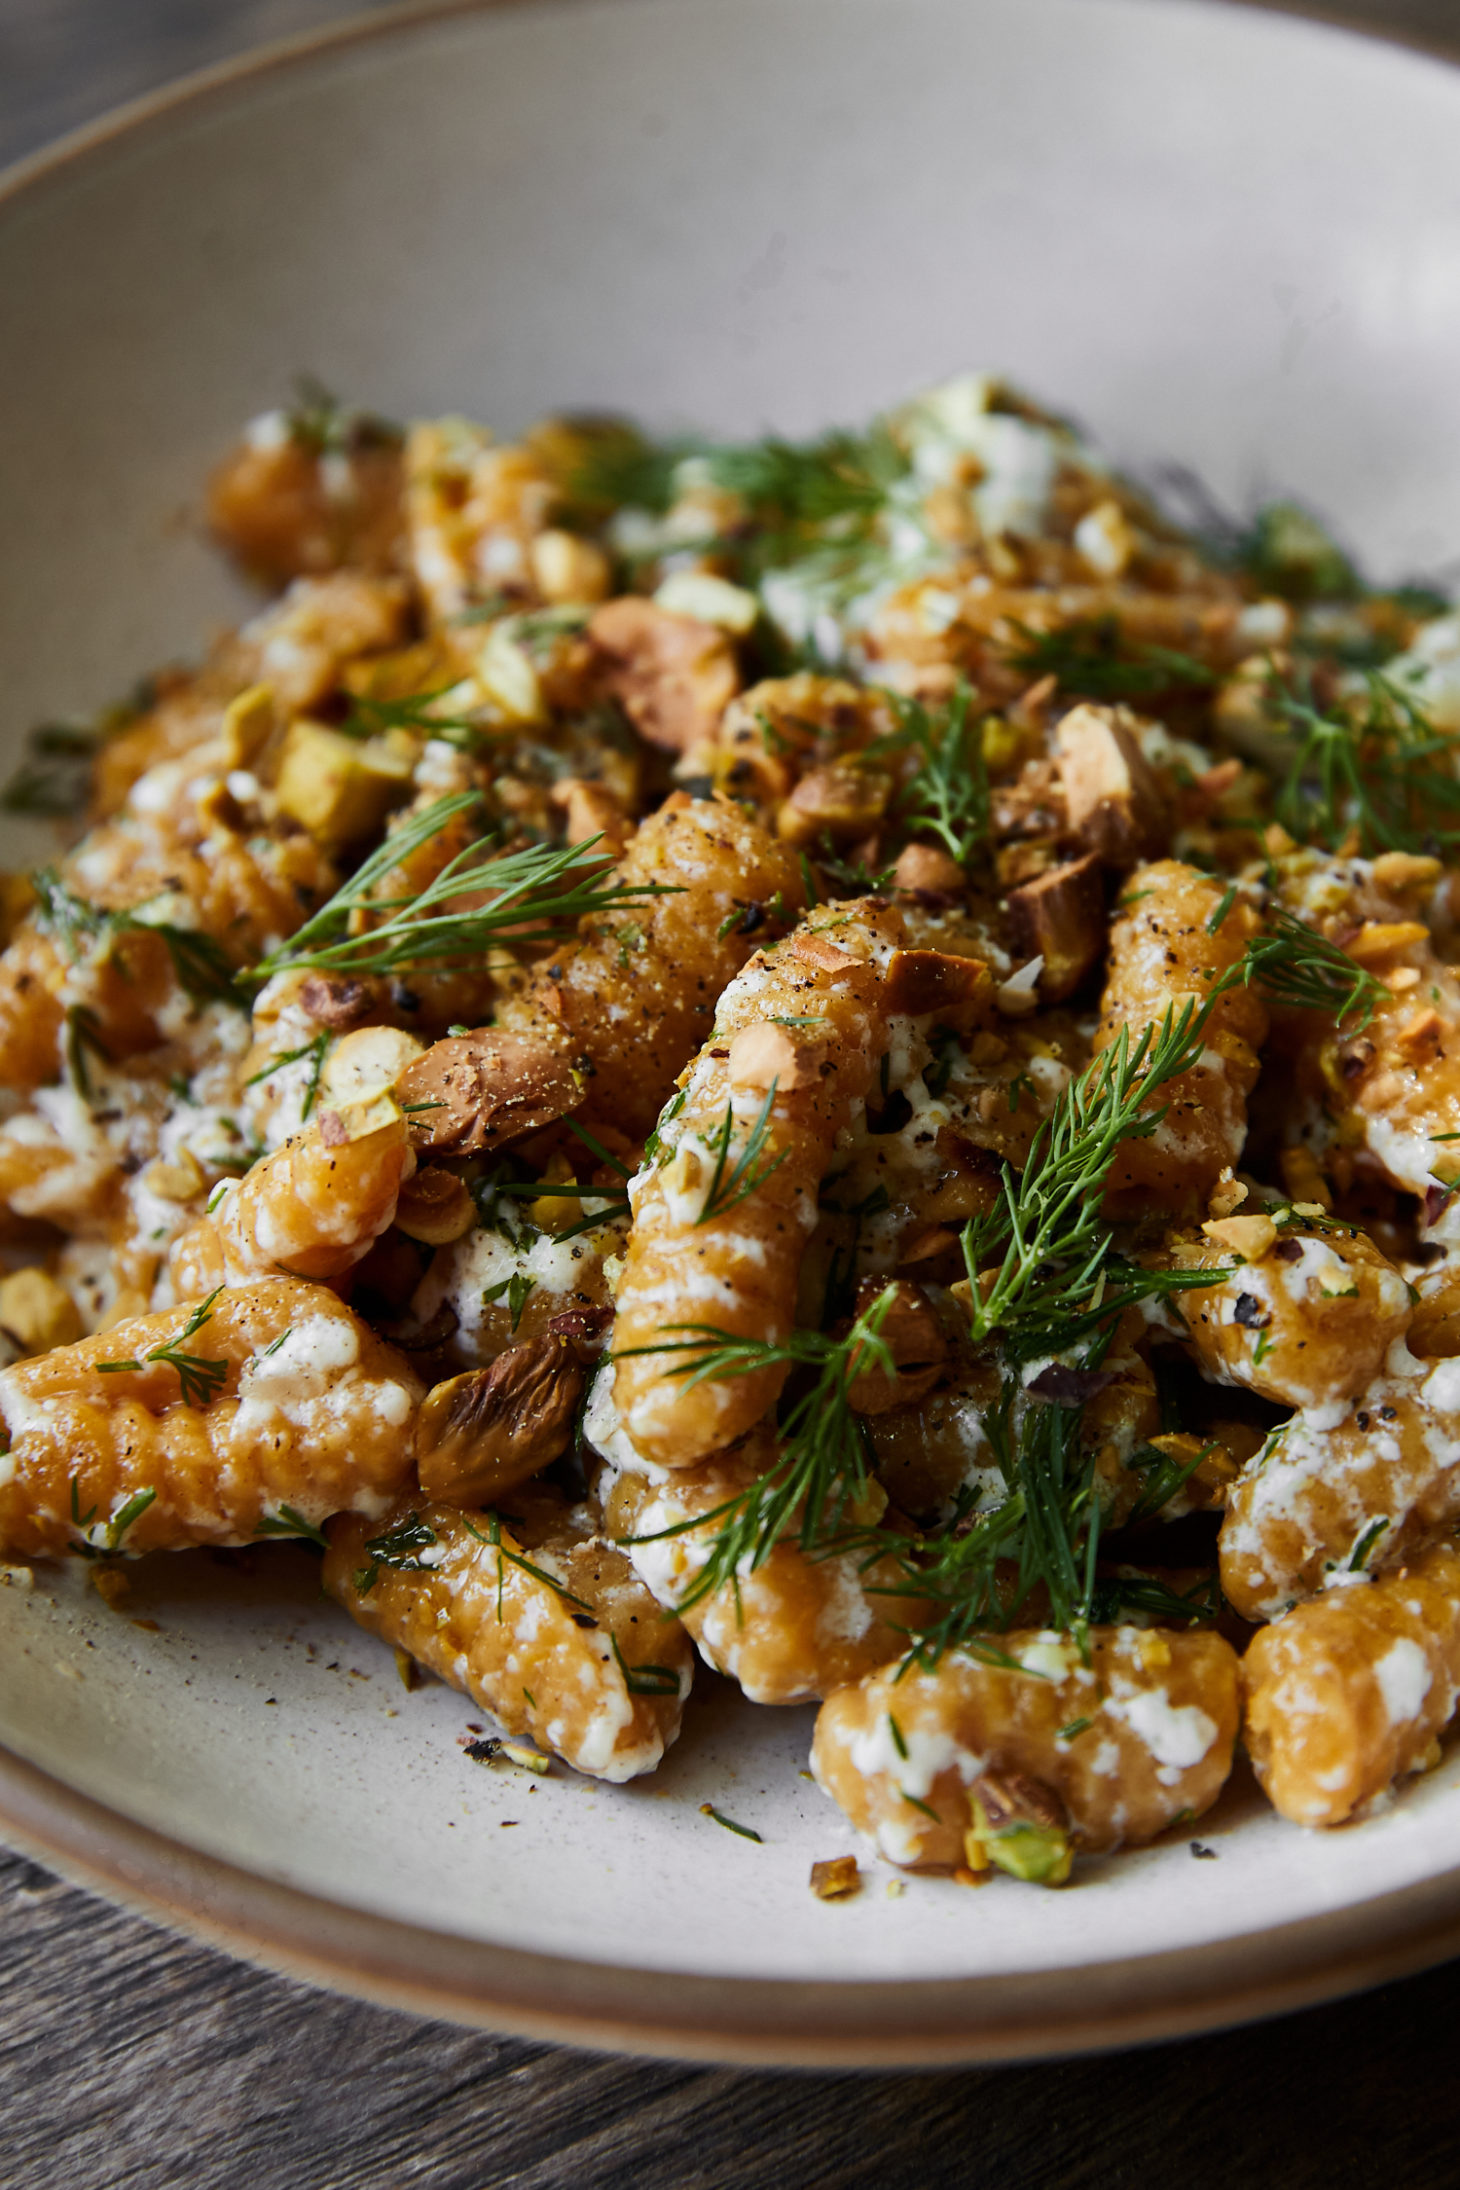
(1060, 917)
(1112, 795)
(1248, 1237)
(672, 675)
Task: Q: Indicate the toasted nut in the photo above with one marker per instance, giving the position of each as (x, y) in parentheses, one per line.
(247, 722)
(713, 600)
(819, 951)
(913, 1336)
(1404, 872)
(592, 811)
(180, 1180)
(1021, 1827)
(673, 675)
(364, 1062)
(924, 981)
(839, 801)
(1247, 1237)
(37, 1312)
(1112, 795)
(486, 1088)
(336, 1000)
(1378, 940)
(929, 869)
(837, 1879)
(110, 1583)
(1227, 1196)
(1060, 917)
(508, 676)
(481, 1434)
(434, 1207)
(761, 1054)
(408, 1671)
(566, 568)
(338, 789)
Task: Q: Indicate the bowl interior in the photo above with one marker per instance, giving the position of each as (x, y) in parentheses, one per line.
(1215, 236)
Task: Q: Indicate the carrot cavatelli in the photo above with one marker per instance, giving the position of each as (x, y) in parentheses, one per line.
(725, 1204)
(789, 1631)
(1351, 1489)
(312, 1209)
(1095, 1753)
(1349, 1692)
(634, 999)
(1164, 951)
(543, 1625)
(191, 1428)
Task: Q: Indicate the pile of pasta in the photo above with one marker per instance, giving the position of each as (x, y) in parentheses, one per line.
(549, 1064)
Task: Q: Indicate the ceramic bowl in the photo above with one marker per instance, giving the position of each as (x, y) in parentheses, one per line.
(1219, 236)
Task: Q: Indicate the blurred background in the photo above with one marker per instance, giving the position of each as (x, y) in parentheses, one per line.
(62, 61)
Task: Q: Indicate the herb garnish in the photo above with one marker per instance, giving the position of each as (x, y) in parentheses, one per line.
(201, 1380)
(200, 964)
(537, 892)
(727, 1191)
(1381, 769)
(947, 795)
(1090, 659)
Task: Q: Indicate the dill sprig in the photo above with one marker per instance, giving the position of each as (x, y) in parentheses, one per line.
(113, 1530)
(78, 927)
(728, 1188)
(947, 795)
(53, 782)
(537, 891)
(370, 718)
(318, 420)
(201, 1380)
(1091, 659)
(1046, 1228)
(820, 1468)
(1295, 966)
(1381, 769)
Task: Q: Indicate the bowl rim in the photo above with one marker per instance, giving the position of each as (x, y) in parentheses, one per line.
(810, 2023)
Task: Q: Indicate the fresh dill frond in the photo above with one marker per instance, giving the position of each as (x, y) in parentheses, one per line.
(53, 782)
(78, 927)
(1091, 659)
(315, 1052)
(1380, 768)
(371, 718)
(729, 1187)
(318, 420)
(1163, 1475)
(820, 1469)
(114, 1530)
(1047, 1229)
(201, 1380)
(1296, 967)
(947, 795)
(538, 891)
(289, 1521)
(399, 1548)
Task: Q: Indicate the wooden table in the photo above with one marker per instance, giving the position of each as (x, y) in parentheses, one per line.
(132, 2061)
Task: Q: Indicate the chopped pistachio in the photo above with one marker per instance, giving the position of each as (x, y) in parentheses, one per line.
(837, 1879)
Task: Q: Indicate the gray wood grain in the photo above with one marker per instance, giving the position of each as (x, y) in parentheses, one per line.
(130, 2060)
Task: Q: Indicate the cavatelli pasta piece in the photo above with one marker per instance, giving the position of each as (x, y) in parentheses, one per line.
(1306, 1314)
(312, 1209)
(791, 1631)
(725, 1204)
(1349, 1692)
(1095, 1755)
(285, 505)
(1349, 1488)
(1163, 951)
(545, 1626)
(634, 999)
(279, 1398)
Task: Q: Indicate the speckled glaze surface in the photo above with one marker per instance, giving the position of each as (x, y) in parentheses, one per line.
(773, 212)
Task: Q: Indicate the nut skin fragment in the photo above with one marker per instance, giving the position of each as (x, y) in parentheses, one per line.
(543, 1666)
(312, 1209)
(482, 1434)
(1324, 1737)
(738, 1266)
(1112, 794)
(802, 1626)
(968, 1724)
(326, 1431)
(631, 1003)
(672, 675)
(1161, 954)
(1306, 1318)
(489, 1088)
(1060, 917)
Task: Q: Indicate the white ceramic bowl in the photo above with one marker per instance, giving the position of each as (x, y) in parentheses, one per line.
(1220, 236)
